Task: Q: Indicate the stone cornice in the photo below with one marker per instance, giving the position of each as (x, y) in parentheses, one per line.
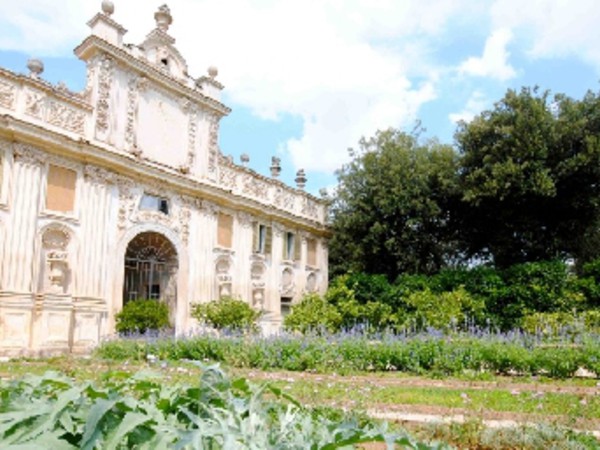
(127, 165)
(117, 26)
(61, 94)
(94, 44)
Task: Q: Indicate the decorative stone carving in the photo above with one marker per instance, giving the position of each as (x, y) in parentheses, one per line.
(223, 268)
(254, 187)
(227, 177)
(284, 198)
(278, 230)
(257, 276)
(34, 103)
(126, 203)
(183, 224)
(103, 104)
(310, 208)
(58, 272)
(192, 130)
(8, 93)
(287, 282)
(55, 243)
(66, 117)
(311, 282)
(245, 220)
(213, 143)
(97, 175)
(132, 106)
(28, 155)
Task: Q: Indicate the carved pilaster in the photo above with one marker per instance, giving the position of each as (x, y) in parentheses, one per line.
(105, 77)
(135, 86)
(213, 143)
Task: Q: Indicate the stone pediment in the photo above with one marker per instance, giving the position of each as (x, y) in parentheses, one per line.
(159, 49)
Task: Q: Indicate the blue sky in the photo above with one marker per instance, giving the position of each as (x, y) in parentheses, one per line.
(307, 79)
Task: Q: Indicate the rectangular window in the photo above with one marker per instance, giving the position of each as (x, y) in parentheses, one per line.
(151, 202)
(288, 246)
(60, 192)
(225, 230)
(262, 239)
(311, 248)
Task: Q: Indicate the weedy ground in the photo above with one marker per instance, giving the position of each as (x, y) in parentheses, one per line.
(548, 409)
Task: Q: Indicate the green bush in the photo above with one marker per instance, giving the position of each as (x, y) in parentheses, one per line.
(142, 315)
(227, 313)
(313, 313)
(443, 311)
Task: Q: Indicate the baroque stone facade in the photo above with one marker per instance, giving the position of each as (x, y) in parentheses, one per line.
(121, 192)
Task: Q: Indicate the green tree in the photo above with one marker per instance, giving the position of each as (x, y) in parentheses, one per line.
(392, 210)
(530, 179)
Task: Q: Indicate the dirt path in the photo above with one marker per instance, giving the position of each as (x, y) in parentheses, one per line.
(377, 380)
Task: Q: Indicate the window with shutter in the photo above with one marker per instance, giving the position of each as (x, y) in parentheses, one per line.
(60, 191)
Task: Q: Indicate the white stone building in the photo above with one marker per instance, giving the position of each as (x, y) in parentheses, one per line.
(121, 192)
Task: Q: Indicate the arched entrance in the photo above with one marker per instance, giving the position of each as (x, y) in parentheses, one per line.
(151, 265)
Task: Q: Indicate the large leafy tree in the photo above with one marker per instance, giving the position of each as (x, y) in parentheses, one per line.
(530, 178)
(392, 212)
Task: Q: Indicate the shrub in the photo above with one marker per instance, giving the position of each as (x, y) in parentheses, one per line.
(313, 313)
(227, 313)
(139, 316)
(443, 311)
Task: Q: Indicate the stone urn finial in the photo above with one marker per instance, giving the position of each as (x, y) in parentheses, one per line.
(245, 159)
(300, 179)
(36, 67)
(108, 7)
(163, 18)
(275, 166)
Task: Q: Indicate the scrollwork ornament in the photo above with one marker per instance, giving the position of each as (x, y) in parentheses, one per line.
(28, 155)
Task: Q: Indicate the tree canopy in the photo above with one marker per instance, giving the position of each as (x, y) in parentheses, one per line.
(522, 184)
(391, 210)
(530, 178)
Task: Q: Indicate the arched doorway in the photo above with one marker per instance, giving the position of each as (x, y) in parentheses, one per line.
(151, 266)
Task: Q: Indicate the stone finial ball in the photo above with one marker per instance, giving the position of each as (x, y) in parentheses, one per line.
(108, 7)
(35, 66)
(213, 71)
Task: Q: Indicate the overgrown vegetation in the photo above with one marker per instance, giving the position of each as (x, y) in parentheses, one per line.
(430, 353)
(51, 411)
(535, 296)
(140, 316)
(227, 314)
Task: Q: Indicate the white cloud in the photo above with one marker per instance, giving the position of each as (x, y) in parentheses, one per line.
(554, 28)
(475, 105)
(346, 67)
(494, 61)
(329, 62)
